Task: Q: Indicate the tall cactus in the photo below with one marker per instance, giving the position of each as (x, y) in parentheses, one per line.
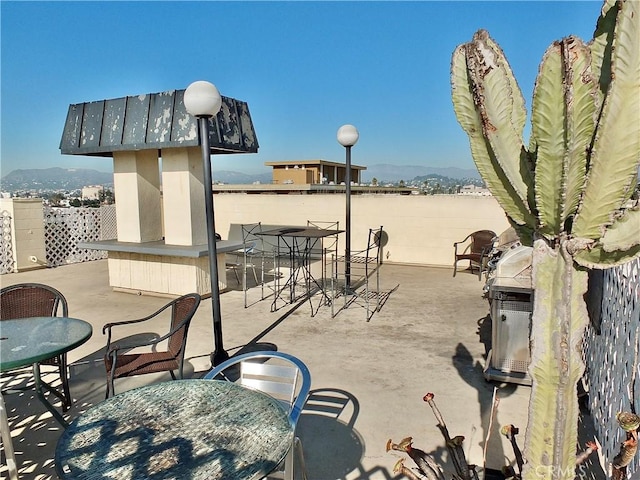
(567, 193)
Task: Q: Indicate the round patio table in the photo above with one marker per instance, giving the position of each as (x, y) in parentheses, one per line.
(196, 429)
(27, 341)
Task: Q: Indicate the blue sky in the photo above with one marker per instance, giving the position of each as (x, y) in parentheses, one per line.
(305, 68)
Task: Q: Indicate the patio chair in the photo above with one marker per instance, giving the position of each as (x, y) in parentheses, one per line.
(37, 300)
(119, 364)
(234, 266)
(280, 375)
(253, 255)
(329, 244)
(475, 248)
(364, 264)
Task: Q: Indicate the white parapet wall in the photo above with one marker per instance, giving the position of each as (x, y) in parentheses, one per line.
(27, 232)
(421, 229)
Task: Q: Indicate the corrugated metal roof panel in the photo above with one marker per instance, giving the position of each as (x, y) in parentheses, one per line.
(154, 121)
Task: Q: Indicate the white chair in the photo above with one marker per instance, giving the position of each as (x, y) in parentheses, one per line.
(281, 376)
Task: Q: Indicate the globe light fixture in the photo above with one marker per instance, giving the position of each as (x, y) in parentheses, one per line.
(347, 137)
(203, 101)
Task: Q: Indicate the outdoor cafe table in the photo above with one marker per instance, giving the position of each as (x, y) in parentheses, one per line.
(300, 243)
(27, 341)
(195, 429)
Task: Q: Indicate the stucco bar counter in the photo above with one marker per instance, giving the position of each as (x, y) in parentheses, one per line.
(159, 268)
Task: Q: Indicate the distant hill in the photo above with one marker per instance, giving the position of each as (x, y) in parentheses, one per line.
(394, 173)
(57, 178)
(54, 178)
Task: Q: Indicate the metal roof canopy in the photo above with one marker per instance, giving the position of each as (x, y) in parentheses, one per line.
(153, 121)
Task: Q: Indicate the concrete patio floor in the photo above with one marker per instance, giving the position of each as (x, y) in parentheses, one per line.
(431, 335)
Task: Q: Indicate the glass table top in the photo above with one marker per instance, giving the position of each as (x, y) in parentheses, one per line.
(26, 341)
(196, 429)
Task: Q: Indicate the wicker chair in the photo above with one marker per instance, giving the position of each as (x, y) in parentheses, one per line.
(475, 248)
(119, 364)
(37, 300)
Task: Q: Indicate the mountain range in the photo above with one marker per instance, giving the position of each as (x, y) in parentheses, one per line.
(394, 173)
(57, 178)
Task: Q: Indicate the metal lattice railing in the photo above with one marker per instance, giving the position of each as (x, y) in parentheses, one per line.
(7, 262)
(108, 223)
(65, 228)
(611, 349)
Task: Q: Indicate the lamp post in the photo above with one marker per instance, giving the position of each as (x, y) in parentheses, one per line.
(203, 101)
(348, 137)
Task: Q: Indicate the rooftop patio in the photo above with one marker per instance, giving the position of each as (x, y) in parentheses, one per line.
(431, 335)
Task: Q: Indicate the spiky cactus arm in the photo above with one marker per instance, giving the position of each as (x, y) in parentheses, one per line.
(563, 121)
(477, 76)
(615, 155)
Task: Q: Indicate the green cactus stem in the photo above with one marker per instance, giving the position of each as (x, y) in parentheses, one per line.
(567, 194)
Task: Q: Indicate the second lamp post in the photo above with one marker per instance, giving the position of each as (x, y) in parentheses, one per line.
(348, 137)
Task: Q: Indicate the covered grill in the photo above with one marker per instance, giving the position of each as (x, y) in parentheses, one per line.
(510, 296)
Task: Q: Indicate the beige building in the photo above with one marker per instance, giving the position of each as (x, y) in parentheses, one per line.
(300, 172)
(92, 192)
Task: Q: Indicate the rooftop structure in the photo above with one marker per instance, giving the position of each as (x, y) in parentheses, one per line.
(137, 131)
(311, 172)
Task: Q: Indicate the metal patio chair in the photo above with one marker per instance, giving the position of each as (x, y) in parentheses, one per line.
(279, 375)
(120, 364)
(253, 254)
(475, 248)
(364, 264)
(37, 300)
(329, 244)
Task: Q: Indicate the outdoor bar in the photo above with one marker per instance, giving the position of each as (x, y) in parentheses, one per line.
(162, 237)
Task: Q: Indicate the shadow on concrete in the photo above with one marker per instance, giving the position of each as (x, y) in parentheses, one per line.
(327, 425)
(487, 393)
(33, 428)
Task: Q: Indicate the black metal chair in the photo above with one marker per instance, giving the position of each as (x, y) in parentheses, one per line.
(329, 245)
(252, 257)
(363, 265)
(38, 300)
